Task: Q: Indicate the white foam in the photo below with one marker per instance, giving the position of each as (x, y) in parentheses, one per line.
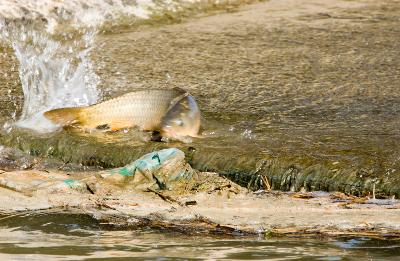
(52, 74)
(83, 12)
(38, 123)
(88, 13)
(59, 74)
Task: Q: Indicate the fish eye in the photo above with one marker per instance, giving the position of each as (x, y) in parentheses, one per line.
(179, 122)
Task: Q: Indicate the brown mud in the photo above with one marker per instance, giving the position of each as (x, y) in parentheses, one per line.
(205, 204)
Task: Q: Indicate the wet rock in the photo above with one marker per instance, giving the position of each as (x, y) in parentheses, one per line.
(33, 181)
(14, 159)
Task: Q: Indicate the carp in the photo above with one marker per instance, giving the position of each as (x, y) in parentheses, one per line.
(173, 113)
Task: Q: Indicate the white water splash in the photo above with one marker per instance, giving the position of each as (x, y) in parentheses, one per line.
(52, 74)
(78, 12)
(56, 74)
(87, 13)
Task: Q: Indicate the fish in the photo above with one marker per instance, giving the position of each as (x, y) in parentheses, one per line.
(173, 113)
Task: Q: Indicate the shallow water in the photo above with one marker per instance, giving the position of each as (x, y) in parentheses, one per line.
(306, 95)
(72, 237)
(312, 93)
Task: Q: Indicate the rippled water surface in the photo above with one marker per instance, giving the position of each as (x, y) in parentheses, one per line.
(312, 89)
(71, 237)
(305, 94)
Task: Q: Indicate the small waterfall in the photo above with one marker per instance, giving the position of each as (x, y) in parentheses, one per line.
(53, 73)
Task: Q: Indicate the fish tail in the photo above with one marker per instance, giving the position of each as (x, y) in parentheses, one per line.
(66, 116)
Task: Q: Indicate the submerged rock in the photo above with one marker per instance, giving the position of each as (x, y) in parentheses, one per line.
(14, 159)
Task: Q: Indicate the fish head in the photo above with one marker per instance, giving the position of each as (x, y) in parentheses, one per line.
(182, 119)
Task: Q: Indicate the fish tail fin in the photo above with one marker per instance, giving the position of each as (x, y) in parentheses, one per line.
(66, 116)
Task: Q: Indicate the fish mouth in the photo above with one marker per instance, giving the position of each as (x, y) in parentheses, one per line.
(169, 133)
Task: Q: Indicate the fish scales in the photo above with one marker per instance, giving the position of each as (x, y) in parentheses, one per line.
(173, 113)
(144, 109)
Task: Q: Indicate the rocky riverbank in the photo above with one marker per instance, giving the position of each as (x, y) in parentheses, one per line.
(160, 190)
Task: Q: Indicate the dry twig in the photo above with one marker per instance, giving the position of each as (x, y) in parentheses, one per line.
(265, 183)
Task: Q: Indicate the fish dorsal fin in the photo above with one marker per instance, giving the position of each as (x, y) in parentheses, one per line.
(179, 90)
(177, 99)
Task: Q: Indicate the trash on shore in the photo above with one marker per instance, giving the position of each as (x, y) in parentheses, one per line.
(161, 190)
(158, 169)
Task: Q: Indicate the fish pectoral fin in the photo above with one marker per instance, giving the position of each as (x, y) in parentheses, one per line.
(103, 127)
(116, 125)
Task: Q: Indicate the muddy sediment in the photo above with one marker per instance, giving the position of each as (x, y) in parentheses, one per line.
(164, 192)
(203, 204)
(304, 93)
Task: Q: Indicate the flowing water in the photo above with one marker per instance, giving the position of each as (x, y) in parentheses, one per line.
(38, 237)
(306, 94)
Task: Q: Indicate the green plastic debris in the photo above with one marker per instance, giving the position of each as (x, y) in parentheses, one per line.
(156, 170)
(159, 168)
